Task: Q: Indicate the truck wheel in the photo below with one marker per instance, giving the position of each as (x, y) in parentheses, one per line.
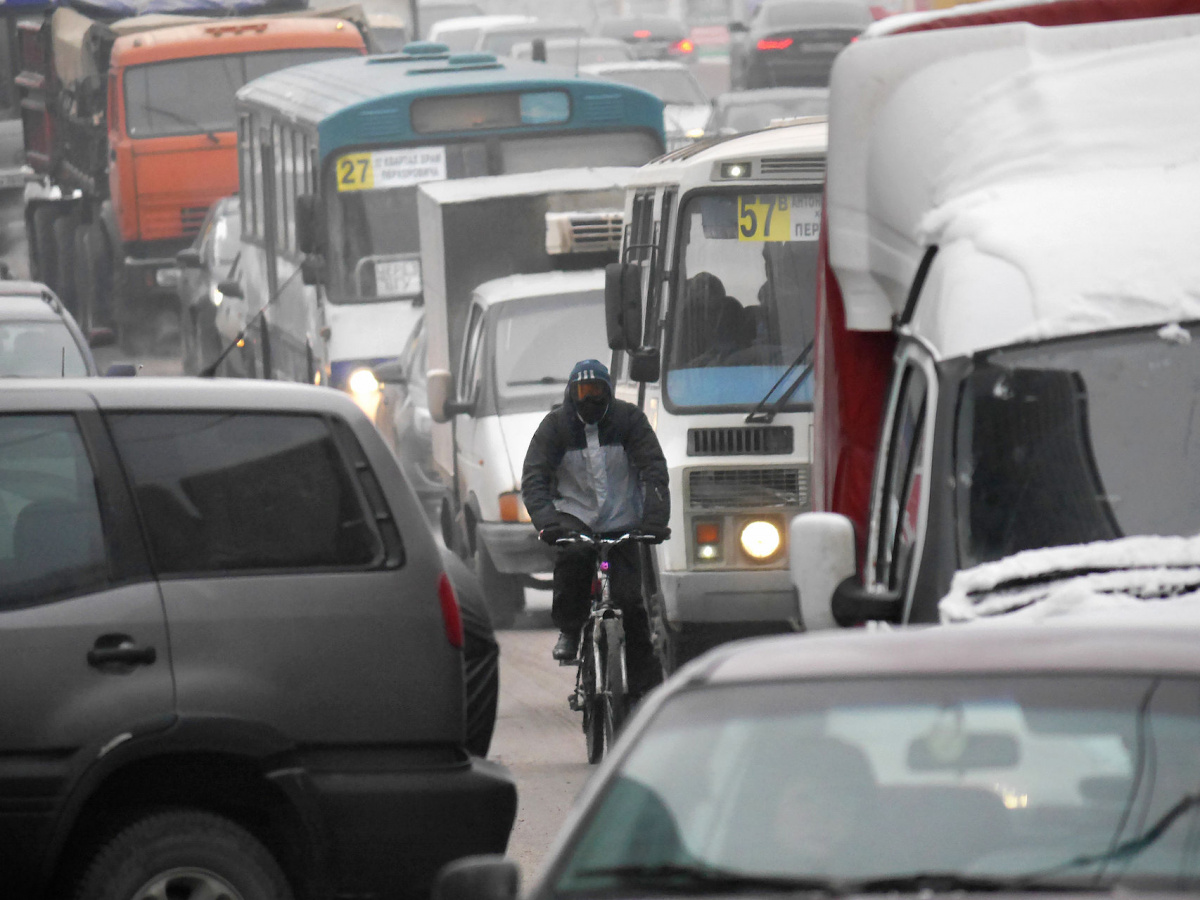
(503, 593)
(41, 249)
(92, 246)
(64, 257)
(184, 855)
(85, 287)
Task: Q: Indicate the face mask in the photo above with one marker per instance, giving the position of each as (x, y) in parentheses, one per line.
(591, 409)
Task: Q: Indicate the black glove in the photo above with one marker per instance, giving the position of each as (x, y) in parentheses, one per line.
(658, 532)
(552, 533)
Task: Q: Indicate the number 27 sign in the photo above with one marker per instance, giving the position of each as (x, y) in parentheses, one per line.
(779, 217)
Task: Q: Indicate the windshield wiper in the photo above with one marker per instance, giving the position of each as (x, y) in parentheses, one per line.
(943, 882)
(186, 120)
(762, 416)
(693, 878)
(545, 379)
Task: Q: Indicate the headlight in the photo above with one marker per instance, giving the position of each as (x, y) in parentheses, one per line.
(761, 540)
(215, 295)
(695, 134)
(363, 381)
(166, 278)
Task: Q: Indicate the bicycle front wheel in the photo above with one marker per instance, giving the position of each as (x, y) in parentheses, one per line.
(613, 687)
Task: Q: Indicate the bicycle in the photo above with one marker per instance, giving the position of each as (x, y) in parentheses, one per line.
(601, 687)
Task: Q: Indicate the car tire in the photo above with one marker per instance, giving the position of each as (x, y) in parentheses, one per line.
(85, 285)
(183, 854)
(64, 258)
(503, 593)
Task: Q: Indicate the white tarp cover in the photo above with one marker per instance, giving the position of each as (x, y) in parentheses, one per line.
(1053, 167)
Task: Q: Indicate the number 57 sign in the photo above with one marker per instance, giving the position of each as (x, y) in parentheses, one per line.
(779, 217)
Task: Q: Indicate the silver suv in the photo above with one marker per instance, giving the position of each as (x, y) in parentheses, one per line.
(232, 658)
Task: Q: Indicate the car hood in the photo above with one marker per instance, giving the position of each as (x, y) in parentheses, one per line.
(517, 430)
(1078, 579)
(682, 119)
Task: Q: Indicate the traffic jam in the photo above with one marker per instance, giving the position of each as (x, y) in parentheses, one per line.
(574, 449)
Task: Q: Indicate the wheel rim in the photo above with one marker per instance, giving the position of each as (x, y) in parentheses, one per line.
(187, 883)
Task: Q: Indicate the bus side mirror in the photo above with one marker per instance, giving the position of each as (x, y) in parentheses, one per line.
(623, 305)
(644, 365)
(308, 214)
(312, 269)
(821, 554)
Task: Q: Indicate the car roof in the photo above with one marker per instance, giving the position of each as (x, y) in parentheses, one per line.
(463, 23)
(178, 394)
(538, 24)
(636, 65)
(26, 308)
(1126, 643)
(542, 284)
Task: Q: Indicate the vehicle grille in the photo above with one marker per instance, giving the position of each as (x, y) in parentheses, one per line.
(580, 232)
(191, 218)
(794, 166)
(603, 109)
(749, 488)
(740, 441)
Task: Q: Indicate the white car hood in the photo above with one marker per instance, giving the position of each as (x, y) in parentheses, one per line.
(517, 430)
(682, 119)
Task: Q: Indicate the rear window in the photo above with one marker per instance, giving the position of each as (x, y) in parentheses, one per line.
(39, 350)
(243, 492)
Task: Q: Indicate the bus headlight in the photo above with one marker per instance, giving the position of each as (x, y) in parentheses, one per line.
(363, 381)
(761, 539)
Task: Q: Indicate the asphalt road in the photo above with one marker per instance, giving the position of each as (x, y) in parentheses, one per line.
(537, 736)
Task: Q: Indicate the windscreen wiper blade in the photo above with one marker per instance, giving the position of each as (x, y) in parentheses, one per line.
(186, 120)
(944, 882)
(685, 878)
(760, 415)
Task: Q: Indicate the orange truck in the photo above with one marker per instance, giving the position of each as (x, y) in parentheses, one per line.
(129, 128)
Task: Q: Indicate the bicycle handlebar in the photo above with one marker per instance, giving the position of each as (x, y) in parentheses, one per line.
(577, 537)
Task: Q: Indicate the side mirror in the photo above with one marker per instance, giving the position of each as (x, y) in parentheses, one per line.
(645, 365)
(101, 337)
(623, 305)
(478, 878)
(538, 50)
(821, 554)
(231, 288)
(390, 373)
(120, 370)
(312, 269)
(308, 215)
(189, 258)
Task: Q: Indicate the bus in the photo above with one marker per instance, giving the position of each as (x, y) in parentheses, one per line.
(719, 261)
(331, 155)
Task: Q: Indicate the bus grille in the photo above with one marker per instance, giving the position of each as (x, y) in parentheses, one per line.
(191, 218)
(378, 123)
(775, 439)
(603, 109)
(749, 488)
(580, 232)
(794, 166)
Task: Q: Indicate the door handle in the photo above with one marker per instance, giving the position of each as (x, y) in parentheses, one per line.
(119, 649)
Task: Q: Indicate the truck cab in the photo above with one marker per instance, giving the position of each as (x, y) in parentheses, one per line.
(1021, 358)
(718, 261)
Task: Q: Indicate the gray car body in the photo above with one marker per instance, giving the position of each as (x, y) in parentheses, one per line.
(33, 301)
(336, 693)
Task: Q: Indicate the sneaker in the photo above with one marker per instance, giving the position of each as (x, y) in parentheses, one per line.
(567, 646)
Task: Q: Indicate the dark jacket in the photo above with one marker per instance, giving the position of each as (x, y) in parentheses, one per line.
(611, 475)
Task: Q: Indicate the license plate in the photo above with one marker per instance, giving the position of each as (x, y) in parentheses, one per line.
(822, 47)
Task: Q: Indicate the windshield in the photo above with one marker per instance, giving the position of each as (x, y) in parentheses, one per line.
(39, 350)
(538, 340)
(374, 244)
(988, 777)
(161, 99)
(1079, 440)
(672, 86)
(744, 300)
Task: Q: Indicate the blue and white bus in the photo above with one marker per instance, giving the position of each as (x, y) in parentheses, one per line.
(330, 158)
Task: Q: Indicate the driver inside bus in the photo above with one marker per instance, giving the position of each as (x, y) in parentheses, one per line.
(594, 466)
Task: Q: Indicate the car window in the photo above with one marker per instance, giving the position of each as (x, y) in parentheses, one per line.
(470, 347)
(900, 503)
(39, 350)
(51, 538)
(243, 491)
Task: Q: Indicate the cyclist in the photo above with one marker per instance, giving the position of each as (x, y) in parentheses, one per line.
(594, 466)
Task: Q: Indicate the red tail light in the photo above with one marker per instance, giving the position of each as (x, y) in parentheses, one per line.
(683, 46)
(451, 617)
(774, 44)
(641, 34)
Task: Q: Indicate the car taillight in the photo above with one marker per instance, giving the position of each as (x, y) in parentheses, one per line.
(641, 34)
(774, 43)
(682, 46)
(451, 617)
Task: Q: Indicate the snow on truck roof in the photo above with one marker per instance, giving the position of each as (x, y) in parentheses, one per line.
(542, 284)
(1051, 167)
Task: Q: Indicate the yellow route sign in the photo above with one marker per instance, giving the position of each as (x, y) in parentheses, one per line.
(355, 172)
(779, 217)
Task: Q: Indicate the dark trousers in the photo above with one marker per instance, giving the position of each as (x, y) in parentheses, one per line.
(574, 569)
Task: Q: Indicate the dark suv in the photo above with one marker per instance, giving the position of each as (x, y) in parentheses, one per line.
(232, 660)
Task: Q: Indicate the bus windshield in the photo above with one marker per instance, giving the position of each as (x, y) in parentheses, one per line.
(744, 302)
(161, 99)
(374, 244)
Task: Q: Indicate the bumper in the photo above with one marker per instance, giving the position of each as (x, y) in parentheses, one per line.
(514, 547)
(738, 596)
